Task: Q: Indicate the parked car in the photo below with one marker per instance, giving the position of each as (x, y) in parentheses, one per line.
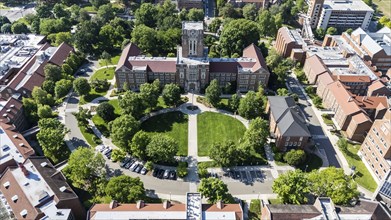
(100, 148)
(138, 168)
(107, 149)
(160, 174)
(144, 171)
(172, 175)
(108, 152)
(155, 172)
(124, 161)
(166, 174)
(130, 163)
(134, 165)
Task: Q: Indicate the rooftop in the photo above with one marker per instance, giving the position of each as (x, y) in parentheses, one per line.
(16, 50)
(346, 5)
(191, 25)
(374, 42)
(193, 206)
(331, 56)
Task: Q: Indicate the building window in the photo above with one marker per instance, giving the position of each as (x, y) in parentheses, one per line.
(288, 138)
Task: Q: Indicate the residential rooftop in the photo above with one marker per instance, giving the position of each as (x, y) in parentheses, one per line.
(346, 5)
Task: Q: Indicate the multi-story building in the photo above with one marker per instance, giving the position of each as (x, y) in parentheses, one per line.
(287, 124)
(14, 148)
(374, 47)
(289, 43)
(193, 209)
(192, 69)
(36, 190)
(341, 14)
(376, 148)
(324, 208)
(383, 191)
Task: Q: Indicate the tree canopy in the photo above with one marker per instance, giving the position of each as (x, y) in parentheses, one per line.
(106, 111)
(162, 148)
(213, 92)
(171, 94)
(122, 130)
(215, 190)
(125, 189)
(250, 106)
(224, 154)
(131, 103)
(51, 138)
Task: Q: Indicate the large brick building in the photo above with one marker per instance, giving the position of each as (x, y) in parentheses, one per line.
(192, 69)
(290, 44)
(376, 148)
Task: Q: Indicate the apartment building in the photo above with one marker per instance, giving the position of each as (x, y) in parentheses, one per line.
(290, 44)
(192, 69)
(36, 190)
(193, 209)
(383, 191)
(379, 88)
(341, 14)
(376, 148)
(14, 148)
(374, 47)
(324, 208)
(287, 124)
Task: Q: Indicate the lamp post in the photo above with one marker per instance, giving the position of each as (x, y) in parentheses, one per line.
(306, 166)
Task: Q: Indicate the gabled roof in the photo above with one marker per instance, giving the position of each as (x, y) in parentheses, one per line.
(254, 52)
(130, 50)
(61, 53)
(286, 114)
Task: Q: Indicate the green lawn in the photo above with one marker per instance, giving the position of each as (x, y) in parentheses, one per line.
(91, 96)
(114, 61)
(215, 127)
(106, 73)
(173, 124)
(363, 177)
(313, 162)
(327, 119)
(384, 6)
(88, 135)
(255, 210)
(275, 201)
(101, 125)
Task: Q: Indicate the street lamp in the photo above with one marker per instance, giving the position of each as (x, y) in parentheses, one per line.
(306, 166)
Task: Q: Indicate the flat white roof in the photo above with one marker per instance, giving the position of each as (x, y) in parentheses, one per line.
(52, 212)
(188, 25)
(346, 5)
(34, 186)
(193, 206)
(8, 150)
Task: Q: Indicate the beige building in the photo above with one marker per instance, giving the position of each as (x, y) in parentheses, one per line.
(192, 69)
(376, 148)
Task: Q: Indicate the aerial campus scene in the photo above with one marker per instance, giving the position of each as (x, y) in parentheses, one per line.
(195, 109)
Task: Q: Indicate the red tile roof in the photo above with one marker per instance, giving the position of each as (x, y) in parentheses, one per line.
(130, 50)
(352, 78)
(254, 52)
(371, 102)
(157, 66)
(61, 53)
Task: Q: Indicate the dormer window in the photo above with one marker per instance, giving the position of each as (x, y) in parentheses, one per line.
(14, 198)
(44, 164)
(15, 136)
(23, 213)
(6, 184)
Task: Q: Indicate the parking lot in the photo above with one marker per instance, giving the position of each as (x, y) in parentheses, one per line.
(246, 176)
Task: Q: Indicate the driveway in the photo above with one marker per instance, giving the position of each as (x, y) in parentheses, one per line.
(314, 126)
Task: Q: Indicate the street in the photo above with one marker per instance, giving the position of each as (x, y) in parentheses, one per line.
(319, 137)
(15, 13)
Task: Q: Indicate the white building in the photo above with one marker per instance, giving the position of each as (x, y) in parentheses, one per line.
(341, 14)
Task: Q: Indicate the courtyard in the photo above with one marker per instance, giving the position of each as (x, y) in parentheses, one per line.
(173, 124)
(215, 127)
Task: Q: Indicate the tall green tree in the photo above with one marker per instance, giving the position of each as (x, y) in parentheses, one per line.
(62, 88)
(146, 15)
(295, 157)
(51, 138)
(195, 14)
(131, 103)
(82, 116)
(84, 168)
(81, 86)
(332, 182)
(215, 190)
(41, 96)
(267, 25)
(106, 111)
(150, 92)
(139, 144)
(52, 72)
(292, 187)
(250, 12)
(44, 111)
(106, 57)
(125, 189)
(213, 92)
(238, 34)
(122, 130)
(171, 94)
(98, 3)
(146, 38)
(224, 154)
(250, 106)
(234, 102)
(162, 148)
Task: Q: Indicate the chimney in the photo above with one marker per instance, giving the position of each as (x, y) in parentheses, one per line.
(166, 204)
(350, 99)
(140, 204)
(24, 170)
(113, 204)
(220, 204)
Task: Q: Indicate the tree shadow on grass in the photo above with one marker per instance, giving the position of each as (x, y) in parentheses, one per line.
(163, 122)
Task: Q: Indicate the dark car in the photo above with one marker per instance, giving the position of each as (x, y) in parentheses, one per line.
(128, 164)
(172, 175)
(124, 162)
(155, 172)
(160, 174)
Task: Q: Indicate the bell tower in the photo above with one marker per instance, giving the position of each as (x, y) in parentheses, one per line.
(192, 39)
